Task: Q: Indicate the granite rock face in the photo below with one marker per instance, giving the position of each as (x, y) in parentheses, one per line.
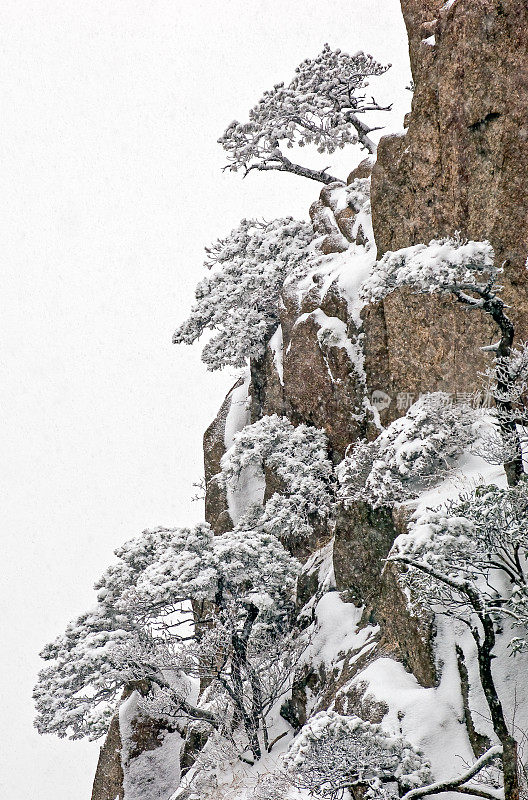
(461, 166)
(146, 735)
(216, 505)
(108, 781)
(462, 162)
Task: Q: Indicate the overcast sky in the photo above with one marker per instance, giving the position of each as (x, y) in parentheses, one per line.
(112, 187)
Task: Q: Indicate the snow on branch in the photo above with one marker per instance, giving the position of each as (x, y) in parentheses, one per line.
(321, 106)
(444, 265)
(334, 752)
(460, 784)
(413, 453)
(299, 458)
(239, 300)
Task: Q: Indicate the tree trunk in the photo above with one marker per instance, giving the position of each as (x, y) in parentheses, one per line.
(511, 769)
(239, 644)
(509, 745)
(513, 468)
(258, 387)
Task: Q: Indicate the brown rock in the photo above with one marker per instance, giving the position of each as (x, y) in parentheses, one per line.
(108, 781)
(216, 507)
(327, 194)
(345, 222)
(405, 636)
(416, 344)
(334, 218)
(363, 170)
(363, 539)
(462, 165)
(321, 385)
(415, 13)
(322, 221)
(335, 243)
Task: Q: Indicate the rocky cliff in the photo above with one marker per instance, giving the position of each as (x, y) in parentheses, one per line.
(460, 165)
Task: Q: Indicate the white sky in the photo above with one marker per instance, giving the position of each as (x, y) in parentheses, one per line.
(113, 185)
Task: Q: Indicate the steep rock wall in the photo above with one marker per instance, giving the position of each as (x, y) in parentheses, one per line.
(462, 162)
(461, 165)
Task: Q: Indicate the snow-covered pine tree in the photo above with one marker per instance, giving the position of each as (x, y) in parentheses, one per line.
(411, 454)
(143, 629)
(239, 300)
(334, 753)
(322, 106)
(299, 458)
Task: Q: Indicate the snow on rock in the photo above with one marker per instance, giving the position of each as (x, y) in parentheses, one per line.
(333, 333)
(337, 631)
(346, 270)
(471, 471)
(431, 719)
(238, 415)
(276, 347)
(151, 774)
(251, 482)
(320, 565)
(248, 492)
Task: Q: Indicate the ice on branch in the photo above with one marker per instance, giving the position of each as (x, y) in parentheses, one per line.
(299, 458)
(322, 106)
(239, 300)
(413, 453)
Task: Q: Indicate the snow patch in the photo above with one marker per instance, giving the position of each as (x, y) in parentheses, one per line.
(153, 774)
(337, 630)
(277, 346)
(238, 415)
(251, 483)
(248, 492)
(430, 718)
